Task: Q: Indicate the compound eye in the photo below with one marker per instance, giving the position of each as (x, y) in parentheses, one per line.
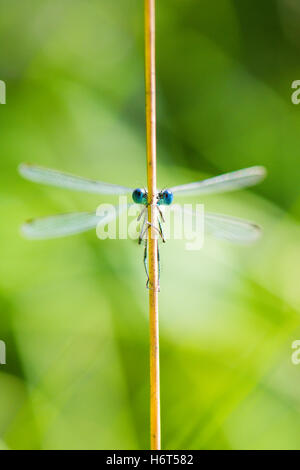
(167, 197)
(138, 196)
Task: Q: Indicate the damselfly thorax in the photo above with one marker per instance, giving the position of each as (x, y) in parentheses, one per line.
(140, 196)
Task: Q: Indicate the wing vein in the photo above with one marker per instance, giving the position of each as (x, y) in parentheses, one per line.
(64, 180)
(222, 183)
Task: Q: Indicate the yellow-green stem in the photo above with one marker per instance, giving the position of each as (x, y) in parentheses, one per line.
(152, 217)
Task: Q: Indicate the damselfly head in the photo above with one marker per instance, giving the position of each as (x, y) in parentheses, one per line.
(140, 196)
(165, 197)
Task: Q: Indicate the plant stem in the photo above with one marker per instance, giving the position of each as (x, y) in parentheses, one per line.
(152, 217)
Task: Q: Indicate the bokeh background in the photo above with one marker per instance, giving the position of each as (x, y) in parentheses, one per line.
(74, 311)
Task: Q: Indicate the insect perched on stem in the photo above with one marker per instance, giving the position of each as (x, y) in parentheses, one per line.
(222, 226)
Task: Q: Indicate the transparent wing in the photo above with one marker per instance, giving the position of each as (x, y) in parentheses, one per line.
(231, 228)
(228, 182)
(226, 227)
(67, 181)
(66, 224)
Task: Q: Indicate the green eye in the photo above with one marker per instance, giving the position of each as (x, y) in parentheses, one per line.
(167, 197)
(139, 196)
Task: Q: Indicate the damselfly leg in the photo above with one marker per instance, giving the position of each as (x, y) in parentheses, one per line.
(144, 236)
(161, 232)
(146, 224)
(145, 263)
(146, 266)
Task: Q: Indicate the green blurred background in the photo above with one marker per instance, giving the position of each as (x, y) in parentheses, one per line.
(74, 311)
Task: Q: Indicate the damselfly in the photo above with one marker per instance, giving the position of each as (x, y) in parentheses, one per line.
(222, 226)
